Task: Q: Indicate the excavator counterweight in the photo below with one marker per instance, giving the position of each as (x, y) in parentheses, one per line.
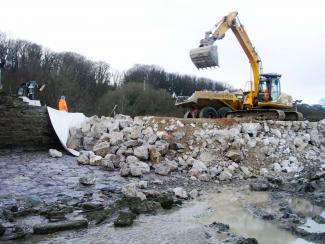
(205, 57)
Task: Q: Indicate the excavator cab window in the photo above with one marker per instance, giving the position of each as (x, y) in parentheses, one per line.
(275, 89)
(269, 89)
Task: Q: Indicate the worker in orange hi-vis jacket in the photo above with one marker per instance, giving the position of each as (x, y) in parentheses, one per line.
(63, 104)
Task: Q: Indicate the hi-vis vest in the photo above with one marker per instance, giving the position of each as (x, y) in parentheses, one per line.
(63, 105)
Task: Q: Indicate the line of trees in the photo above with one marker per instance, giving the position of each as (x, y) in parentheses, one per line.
(94, 87)
(69, 74)
(134, 99)
(314, 112)
(182, 85)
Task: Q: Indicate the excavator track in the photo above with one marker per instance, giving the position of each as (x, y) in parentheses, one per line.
(258, 114)
(293, 116)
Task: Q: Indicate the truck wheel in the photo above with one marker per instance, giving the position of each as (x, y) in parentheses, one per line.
(208, 112)
(222, 112)
(188, 114)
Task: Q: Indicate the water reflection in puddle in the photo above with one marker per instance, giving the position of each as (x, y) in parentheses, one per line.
(305, 207)
(313, 227)
(309, 210)
(228, 208)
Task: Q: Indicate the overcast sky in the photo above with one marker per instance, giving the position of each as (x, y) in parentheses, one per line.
(289, 35)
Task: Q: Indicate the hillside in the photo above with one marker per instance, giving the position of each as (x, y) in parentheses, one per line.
(312, 112)
(141, 90)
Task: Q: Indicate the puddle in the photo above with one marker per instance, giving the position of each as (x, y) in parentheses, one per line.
(309, 210)
(186, 225)
(313, 227)
(228, 208)
(305, 207)
(301, 241)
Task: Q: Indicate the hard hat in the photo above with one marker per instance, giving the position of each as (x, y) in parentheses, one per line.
(63, 97)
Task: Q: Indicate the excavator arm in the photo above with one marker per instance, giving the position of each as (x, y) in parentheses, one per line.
(206, 55)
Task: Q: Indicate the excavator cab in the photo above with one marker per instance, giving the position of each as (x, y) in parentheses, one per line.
(269, 88)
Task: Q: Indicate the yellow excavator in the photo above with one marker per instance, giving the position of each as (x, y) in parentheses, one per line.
(263, 100)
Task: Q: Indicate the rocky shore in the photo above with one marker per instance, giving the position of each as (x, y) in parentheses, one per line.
(146, 165)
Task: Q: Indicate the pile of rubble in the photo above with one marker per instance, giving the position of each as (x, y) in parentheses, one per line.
(150, 163)
(219, 150)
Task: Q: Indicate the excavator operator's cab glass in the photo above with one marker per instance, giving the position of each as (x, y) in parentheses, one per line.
(269, 88)
(275, 89)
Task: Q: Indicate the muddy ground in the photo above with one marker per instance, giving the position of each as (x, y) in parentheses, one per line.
(36, 190)
(169, 180)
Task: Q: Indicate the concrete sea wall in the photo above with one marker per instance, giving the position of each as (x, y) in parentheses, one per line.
(25, 127)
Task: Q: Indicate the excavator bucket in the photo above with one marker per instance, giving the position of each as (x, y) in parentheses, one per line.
(205, 57)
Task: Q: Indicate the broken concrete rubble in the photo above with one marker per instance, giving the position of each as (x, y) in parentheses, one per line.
(83, 158)
(197, 168)
(259, 185)
(225, 175)
(183, 166)
(102, 148)
(162, 169)
(162, 147)
(55, 227)
(108, 164)
(141, 152)
(180, 192)
(115, 138)
(131, 190)
(124, 219)
(208, 152)
(139, 168)
(95, 159)
(235, 155)
(87, 180)
(251, 128)
(55, 153)
(194, 193)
